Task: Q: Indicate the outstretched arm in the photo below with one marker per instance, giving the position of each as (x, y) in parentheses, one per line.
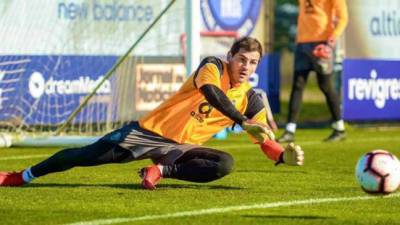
(290, 155)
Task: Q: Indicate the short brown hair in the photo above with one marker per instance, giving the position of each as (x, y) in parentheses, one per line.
(248, 44)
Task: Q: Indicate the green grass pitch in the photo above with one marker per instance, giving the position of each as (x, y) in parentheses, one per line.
(323, 191)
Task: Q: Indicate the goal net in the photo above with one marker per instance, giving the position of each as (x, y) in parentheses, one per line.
(53, 54)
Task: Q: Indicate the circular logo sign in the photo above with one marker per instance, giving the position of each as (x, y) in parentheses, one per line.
(37, 85)
(231, 15)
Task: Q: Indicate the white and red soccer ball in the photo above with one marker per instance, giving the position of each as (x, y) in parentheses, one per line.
(378, 172)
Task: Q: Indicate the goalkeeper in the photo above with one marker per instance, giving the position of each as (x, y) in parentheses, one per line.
(217, 95)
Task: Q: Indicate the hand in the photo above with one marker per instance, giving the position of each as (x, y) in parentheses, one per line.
(293, 155)
(322, 51)
(260, 131)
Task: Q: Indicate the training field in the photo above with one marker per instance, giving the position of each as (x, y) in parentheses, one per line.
(323, 191)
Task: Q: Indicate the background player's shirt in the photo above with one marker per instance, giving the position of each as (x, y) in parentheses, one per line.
(320, 19)
(186, 117)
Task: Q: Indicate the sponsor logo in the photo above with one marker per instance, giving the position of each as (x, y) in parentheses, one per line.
(386, 24)
(155, 83)
(204, 112)
(197, 116)
(205, 108)
(38, 86)
(111, 12)
(232, 15)
(379, 90)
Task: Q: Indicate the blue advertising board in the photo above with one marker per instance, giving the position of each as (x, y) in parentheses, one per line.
(371, 90)
(267, 78)
(46, 89)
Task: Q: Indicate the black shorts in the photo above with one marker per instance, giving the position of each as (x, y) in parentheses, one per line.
(145, 144)
(304, 60)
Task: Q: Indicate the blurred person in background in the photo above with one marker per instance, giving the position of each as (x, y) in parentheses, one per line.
(320, 23)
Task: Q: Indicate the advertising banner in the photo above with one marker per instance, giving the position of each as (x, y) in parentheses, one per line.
(373, 30)
(37, 90)
(370, 72)
(371, 90)
(155, 83)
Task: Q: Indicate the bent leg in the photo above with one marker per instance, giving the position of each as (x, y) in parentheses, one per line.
(98, 153)
(200, 165)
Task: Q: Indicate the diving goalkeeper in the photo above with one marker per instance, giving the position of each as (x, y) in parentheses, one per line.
(217, 95)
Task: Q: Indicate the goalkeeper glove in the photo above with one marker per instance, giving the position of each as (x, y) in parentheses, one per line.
(259, 131)
(291, 155)
(322, 51)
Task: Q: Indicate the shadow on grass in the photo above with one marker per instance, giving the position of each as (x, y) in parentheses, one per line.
(270, 171)
(279, 217)
(133, 186)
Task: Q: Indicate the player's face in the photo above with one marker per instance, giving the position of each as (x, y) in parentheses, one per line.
(242, 65)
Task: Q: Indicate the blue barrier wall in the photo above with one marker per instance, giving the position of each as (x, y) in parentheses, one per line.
(268, 79)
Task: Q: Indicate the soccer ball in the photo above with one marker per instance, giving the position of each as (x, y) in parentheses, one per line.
(378, 171)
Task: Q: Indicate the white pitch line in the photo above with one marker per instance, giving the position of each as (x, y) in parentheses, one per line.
(23, 157)
(230, 209)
